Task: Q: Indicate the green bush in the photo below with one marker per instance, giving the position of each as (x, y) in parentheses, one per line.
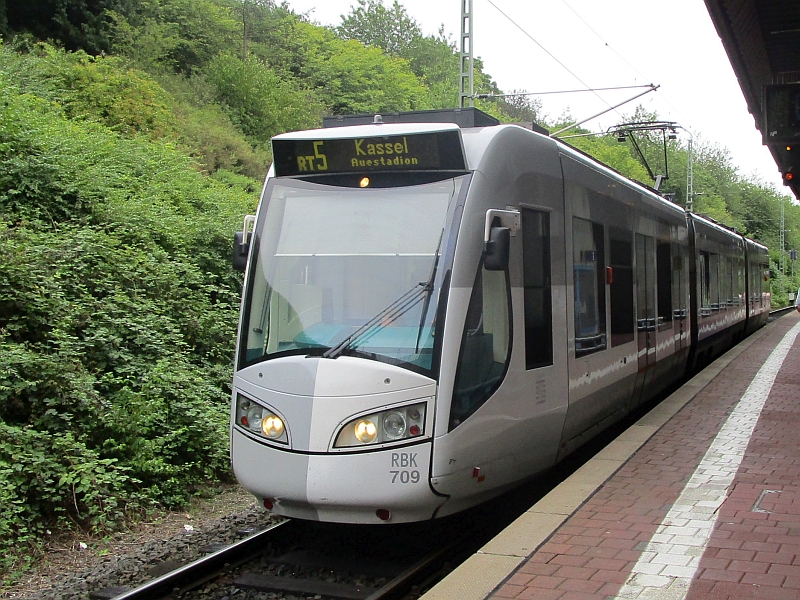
(260, 102)
(50, 480)
(118, 311)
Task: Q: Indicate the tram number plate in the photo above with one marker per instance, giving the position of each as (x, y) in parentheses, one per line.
(404, 462)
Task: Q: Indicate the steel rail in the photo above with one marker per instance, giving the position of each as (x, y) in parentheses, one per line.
(206, 568)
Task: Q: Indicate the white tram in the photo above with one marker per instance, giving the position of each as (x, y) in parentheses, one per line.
(432, 314)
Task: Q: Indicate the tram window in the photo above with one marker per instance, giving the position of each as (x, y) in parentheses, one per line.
(622, 309)
(664, 282)
(678, 284)
(713, 279)
(588, 269)
(724, 282)
(740, 293)
(485, 345)
(705, 277)
(536, 277)
(645, 283)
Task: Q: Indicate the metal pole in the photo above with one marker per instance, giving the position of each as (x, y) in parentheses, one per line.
(689, 178)
(467, 91)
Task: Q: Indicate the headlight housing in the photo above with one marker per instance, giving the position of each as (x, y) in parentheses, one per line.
(392, 425)
(259, 420)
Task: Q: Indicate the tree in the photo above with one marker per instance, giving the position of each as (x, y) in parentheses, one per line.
(518, 106)
(352, 78)
(258, 100)
(372, 24)
(77, 24)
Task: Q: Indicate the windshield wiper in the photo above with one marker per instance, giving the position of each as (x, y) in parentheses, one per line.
(429, 291)
(395, 310)
(389, 314)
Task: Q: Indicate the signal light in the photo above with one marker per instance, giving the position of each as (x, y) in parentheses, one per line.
(788, 177)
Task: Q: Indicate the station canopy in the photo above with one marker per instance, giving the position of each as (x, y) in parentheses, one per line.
(762, 40)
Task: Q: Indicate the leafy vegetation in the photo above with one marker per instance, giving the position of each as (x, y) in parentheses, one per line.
(133, 138)
(117, 315)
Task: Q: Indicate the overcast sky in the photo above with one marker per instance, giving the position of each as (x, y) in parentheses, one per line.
(603, 43)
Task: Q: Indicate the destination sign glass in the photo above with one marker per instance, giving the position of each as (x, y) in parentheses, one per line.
(438, 151)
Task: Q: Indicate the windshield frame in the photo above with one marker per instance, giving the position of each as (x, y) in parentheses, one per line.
(446, 251)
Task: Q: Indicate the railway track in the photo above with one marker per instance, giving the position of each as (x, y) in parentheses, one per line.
(295, 558)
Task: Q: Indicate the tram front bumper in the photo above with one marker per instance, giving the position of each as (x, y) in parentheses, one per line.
(339, 487)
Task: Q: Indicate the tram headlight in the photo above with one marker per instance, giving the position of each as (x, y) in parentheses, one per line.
(260, 420)
(272, 427)
(394, 425)
(383, 427)
(365, 431)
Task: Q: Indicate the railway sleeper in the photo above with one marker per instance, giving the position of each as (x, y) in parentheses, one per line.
(294, 585)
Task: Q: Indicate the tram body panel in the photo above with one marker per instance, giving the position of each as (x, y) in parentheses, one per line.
(515, 431)
(758, 294)
(719, 288)
(339, 487)
(614, 232)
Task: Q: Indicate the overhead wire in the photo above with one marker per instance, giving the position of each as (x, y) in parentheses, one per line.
(622, 58)
(602, 89)
(550, 54)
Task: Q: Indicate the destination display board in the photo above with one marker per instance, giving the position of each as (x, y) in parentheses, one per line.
(782, 113)
(436, 151)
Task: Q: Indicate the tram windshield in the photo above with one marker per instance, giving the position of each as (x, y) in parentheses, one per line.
(342, 270)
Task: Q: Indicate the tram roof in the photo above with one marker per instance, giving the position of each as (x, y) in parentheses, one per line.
(373, 130)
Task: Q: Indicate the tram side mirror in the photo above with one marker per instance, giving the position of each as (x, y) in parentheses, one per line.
(241, 244)
(497, 249)
(240, 251)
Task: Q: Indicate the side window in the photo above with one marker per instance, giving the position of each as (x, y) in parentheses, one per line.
(705, 296)
(714, 280)
(536, 279)
(664, 282)
(645, 283)
(620, 251)
(678, 285)
(740, 282)
(485, 345)
(724, 281)
(589, 275)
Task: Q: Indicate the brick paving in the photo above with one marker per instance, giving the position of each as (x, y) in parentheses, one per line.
(617, 544)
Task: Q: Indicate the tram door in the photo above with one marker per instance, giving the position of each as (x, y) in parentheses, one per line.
(646, 323)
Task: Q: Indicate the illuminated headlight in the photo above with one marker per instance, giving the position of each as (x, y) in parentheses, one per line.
(260, 420)
(386, 426)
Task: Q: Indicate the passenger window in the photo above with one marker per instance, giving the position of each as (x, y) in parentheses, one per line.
(705, 277)
(588, 261)
(664, 282)
(622, 310)
(536, 279)
(714, 280)
(724, 282)
(645, 283)
(678, 289)
(485, 345)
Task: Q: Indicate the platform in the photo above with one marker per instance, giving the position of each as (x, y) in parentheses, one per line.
(700, 499)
